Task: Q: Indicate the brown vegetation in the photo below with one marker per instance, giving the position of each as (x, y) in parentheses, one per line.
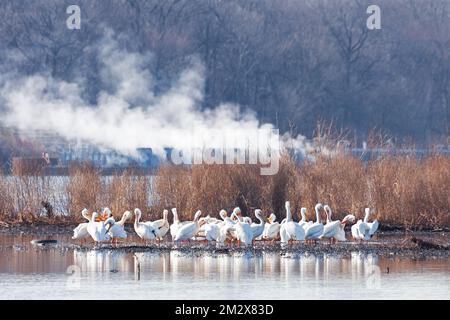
(404, 191)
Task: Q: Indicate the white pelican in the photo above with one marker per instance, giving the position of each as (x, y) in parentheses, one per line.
(117, 230)
(204, 222)
(143, 230)
(243, 230)
(80, 232)
(160, 226)
(211, 229)
(226, 219)
(364, 230)
(335, 229)
(271, 228)
(176, 223)
(315, 230)
(373, 226)
(340, 235)
(212, 220)
(257, 228)
(227, 230)
(189, 229)
(98, 230)
(290, 230)
(303, 223)
(358, 230)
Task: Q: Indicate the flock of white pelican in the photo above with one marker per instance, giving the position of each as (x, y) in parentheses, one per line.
(228, 229)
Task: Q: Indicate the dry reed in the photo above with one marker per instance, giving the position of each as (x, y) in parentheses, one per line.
(404, 191)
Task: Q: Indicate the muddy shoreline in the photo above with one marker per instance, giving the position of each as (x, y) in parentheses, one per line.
(292, 251)
(414, 245)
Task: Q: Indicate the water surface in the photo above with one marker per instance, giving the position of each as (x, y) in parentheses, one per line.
(29, 272)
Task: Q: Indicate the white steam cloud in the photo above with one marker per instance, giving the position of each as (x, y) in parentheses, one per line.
(128, 114)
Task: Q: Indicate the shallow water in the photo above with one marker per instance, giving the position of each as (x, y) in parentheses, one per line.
(29, 272)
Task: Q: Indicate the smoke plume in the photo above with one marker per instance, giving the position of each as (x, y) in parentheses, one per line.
(128, 113)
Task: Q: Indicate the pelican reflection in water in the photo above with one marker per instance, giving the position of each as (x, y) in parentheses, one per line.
(175, 265)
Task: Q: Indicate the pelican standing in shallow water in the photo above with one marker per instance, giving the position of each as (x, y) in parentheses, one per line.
(290, 230)
(144, 230)
(203, 222)
(334, 230)
(364, 230)
(303, 223)
(161, 226)
(340, 235)
(373, 226)
(258, 228)
(243, 230)
(211, 230)
(99, 230)
(189, 229)
(315, 230)
(225, 218)
(227, 231)
(81, 232)
(117, 230)
(176, 223)
(272, 228)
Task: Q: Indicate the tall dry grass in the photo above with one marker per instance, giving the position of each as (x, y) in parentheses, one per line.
(214, 187)
(87, 188)
(126, 192)
(404, 191)
(411, 193)
(6, 201)
(22, 197)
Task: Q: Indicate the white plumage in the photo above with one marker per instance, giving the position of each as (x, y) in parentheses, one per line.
(81, 232)
(98, 230)
(144, 230)
(189, 229)
(117, 230)
(290, 230)
(315, 230)
(160, 226)
(244, 232)
(364, 230)
(335, 229)
(257, 228)
(271, 228)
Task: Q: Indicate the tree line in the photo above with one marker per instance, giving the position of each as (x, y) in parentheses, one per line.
(293, 62)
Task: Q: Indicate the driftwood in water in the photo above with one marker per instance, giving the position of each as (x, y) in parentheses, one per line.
(4, 224)
(428, 245)
(43, 242)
